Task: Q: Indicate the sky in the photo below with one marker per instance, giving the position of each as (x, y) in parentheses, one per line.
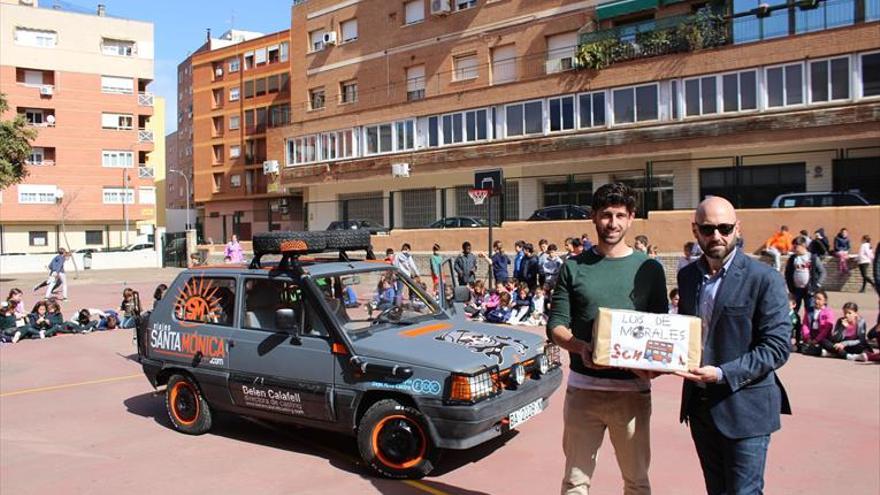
(179, 29)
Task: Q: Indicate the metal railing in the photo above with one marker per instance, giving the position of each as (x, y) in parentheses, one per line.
(146, 172)
(43, 163)
(145, 99)
(145, 136)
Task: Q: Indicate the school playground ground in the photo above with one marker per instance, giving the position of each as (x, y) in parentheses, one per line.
(77, 416)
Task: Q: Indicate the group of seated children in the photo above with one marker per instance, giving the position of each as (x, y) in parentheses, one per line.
(820, 334)
(509, 303)
(389, 293)
(46, 319)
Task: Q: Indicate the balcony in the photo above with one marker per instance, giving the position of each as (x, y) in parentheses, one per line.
(41, 163)
(145, 136)
(145, 99)
(145, 172)
(708, 28)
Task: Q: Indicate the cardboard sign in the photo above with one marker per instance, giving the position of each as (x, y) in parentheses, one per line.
(646, 341)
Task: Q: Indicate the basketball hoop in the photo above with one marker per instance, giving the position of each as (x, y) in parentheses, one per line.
(478, 195)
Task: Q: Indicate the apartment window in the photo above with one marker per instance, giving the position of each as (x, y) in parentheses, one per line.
(117, 121)
(476, 125)
(216, 97)
(870, 71)
(218, 182)
(260, 56)
(785, 86)
(349, 30)
(504, 64)
(94, 237)
(433, 131)
(117, 47)
(249, 89)
(636, 104)
(462, 127)
(260, 87)
(36, 37)
(234, 151)
(415, 83)
(756, 186)
(465, 67)
(235, 180)
(32, 77)
(249, 119)
(279, 115)
(700, 96)
(248, 60)
(38, 238)
(414, 11)
(35, 116)
(274, 54)
(218, 153)
(317, 40)
(465, 4)
(302, 150)
(36, 156)
(404, 135)
(117, 159)
(348, 91)
(752, 28)
(827, 15)
(829, 80)
(561, 113)
(453, 131)
(234, 64)
(234, 122)
(378, 139)
(524, 118)
(118, 196)
(147, 195)
(121, 85)
(739, 91)
(316, 98)
(284, 49)
(591, 109)
(560, 51)
(31, 194)
(234, 93)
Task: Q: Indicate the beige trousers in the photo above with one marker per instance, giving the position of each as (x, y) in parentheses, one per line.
(627, 417)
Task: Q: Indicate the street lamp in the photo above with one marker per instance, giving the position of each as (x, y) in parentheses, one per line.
(186, 180)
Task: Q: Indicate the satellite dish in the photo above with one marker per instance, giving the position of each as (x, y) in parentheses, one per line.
(50, 120)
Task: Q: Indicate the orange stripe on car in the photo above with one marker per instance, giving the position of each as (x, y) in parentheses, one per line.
(415, 332)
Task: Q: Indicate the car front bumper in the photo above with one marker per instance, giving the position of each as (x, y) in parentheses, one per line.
(465, 426)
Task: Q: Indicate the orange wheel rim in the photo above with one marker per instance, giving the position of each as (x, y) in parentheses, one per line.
(190, 394)
(423, 444)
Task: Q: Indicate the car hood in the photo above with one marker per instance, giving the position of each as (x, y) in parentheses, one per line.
(456, 345)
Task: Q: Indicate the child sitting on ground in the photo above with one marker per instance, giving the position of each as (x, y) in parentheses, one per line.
(7, 320)
(38, 323)
(129, 308)
(817, 325)
(478, 294)
(490, 303)
(522, 304)
(15, 300)
(537, 317)
(849, 338)
(502, 311)
(384, 299)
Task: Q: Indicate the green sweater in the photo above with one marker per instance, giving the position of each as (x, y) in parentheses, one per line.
(590, 281)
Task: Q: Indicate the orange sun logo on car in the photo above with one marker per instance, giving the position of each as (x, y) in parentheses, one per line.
(197, 301)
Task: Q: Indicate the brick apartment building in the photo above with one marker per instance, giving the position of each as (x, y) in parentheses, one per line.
(83, 80)
(240, 90)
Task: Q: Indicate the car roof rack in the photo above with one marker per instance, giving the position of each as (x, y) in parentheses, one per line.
(293, 244)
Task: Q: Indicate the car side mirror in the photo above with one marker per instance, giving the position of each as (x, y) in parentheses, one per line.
(461, 294)
(285, 320)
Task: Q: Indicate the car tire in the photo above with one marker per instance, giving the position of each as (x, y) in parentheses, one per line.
(270, 242)
(347, 239)
(394, 441)
(186, 405)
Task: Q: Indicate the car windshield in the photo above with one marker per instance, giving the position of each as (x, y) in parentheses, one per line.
(375, 300)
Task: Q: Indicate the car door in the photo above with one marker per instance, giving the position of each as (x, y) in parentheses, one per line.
(275, 370)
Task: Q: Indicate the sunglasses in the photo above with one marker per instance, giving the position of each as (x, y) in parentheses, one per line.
(722, 228)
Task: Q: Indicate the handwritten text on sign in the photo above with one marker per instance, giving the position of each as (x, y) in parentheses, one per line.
(649, 341)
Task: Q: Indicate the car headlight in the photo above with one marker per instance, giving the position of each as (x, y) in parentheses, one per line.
(470, 388)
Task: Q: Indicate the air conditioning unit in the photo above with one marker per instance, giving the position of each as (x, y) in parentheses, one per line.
(440, 7)
(400, 170)
(218, 72)
(565, 63)
(270, 167)
(47, 90)
(329, 38)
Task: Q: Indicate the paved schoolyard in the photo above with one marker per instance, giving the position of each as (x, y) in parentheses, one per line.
(77, 416)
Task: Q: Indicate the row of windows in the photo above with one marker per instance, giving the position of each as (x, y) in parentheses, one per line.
(769, 88)
(47, 38)
(30, 194)
(271, 54)
(40, 238)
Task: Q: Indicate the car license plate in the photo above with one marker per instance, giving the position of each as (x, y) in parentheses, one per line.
(526, 413)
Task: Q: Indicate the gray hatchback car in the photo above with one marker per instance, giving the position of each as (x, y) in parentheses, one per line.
(343, 345)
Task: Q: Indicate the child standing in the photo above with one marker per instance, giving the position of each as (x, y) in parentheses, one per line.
(551, 266)
(500, 262)
(866, 258)
(436, 261)
(129, 307)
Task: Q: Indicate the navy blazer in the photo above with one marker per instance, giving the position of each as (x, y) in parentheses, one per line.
(748, 338)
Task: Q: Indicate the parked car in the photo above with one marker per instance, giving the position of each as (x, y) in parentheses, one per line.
(459, 222)
(313, 347)
(138, 246)
(808, 199)
(373, 227)
(561, 212)
(87, 251)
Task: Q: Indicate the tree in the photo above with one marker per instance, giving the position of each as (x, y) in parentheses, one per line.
(15, 147)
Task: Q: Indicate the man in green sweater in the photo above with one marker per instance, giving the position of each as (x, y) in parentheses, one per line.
(610, 275)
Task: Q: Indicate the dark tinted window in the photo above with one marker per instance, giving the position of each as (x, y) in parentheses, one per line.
(753, 186)
(554, 214)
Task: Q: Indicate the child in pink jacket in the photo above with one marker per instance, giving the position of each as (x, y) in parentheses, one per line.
(817, 325)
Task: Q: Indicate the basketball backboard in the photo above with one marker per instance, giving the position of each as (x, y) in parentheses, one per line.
(492, 180)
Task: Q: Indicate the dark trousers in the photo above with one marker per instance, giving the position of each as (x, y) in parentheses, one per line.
(802, 296)
(828, 345)
(731, 466)
(866, 279)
